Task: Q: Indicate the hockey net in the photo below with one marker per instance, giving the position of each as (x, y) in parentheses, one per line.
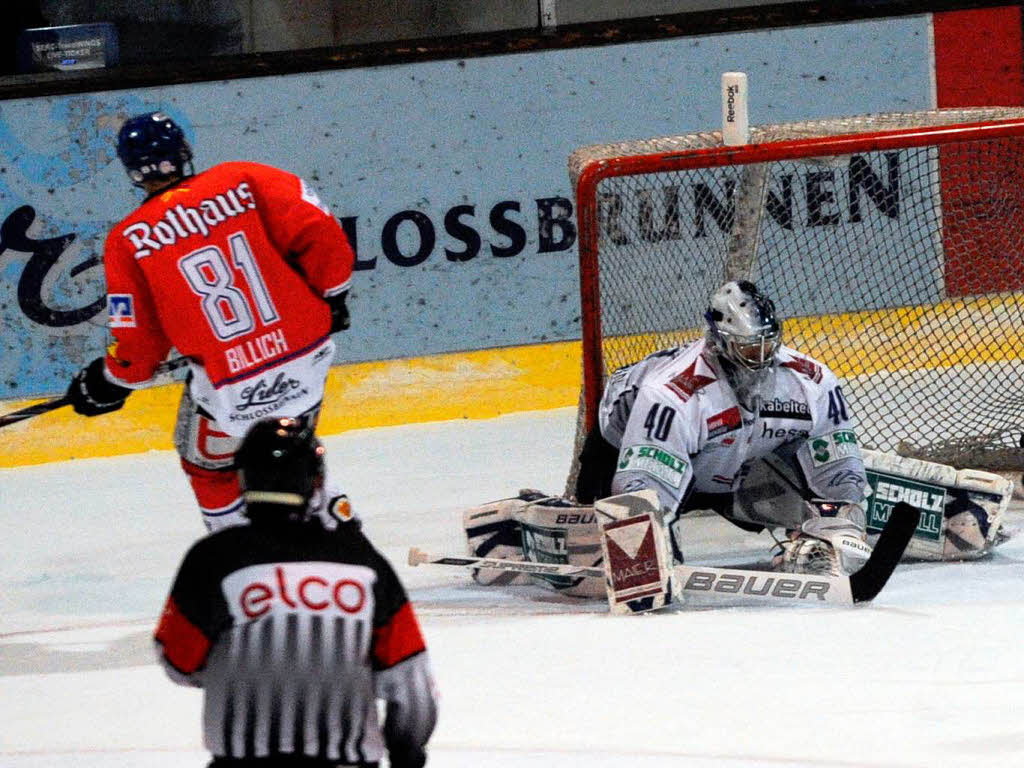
(892, 244)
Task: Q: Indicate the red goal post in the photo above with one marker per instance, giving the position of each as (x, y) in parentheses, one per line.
(893, 245)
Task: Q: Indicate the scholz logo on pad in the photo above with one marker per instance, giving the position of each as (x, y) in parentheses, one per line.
(122, 310)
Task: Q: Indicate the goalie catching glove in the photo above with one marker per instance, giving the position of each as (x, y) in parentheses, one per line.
(824, 536)
(830, 541)
(92, 394)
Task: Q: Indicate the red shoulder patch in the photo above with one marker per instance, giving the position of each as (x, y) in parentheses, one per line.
(804, 366)
(397, 639)
(726, 421)
(185, 645)
(688, 382)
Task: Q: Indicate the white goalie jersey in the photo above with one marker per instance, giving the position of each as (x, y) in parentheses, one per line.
(680, 427)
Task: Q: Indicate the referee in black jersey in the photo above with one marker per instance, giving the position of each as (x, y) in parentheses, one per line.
(295, 631)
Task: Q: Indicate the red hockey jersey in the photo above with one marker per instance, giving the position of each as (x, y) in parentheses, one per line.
(230, 267)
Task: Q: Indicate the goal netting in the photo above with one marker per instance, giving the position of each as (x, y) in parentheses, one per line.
(892, 245)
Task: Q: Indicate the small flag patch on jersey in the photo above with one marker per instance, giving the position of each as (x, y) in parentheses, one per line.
(122, 310)
(726, 421)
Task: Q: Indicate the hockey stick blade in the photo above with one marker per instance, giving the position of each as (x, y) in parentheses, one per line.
(866, 583)
(59, 402)
(860, 587)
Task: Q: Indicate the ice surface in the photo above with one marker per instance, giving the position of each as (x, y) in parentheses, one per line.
(930, 674)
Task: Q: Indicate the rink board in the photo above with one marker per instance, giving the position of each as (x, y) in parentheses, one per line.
(488, 383)
(471, 385)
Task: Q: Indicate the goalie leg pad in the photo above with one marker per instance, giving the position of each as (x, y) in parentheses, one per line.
(555, 530)
(492, 531)
(962, 511)
(635, 549)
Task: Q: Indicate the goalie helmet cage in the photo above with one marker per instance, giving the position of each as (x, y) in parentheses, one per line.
(892, 244)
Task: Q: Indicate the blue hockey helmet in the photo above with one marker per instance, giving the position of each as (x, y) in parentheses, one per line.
(152, 148)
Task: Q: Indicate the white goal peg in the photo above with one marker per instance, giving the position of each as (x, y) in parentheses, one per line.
(735, 120)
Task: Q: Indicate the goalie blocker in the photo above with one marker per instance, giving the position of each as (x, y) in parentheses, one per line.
(637, 568)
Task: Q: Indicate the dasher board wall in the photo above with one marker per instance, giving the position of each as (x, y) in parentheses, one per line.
(449, 176)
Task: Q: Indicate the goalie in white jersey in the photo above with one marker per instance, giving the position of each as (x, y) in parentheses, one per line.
(735, 422)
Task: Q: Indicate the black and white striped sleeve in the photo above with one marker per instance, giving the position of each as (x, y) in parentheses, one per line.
(403, 676)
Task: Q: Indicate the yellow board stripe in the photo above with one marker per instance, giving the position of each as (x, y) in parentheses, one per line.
(489, 383)
(944, 335)
(468, 385)
(951, 333)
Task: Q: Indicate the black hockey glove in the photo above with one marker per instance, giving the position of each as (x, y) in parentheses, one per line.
(339, 312)
(597, 462)
(92, 394)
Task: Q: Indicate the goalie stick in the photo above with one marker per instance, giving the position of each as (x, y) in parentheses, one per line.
(59, 402)
(418, 557)
(860, 587)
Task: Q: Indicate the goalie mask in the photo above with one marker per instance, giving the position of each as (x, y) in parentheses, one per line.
(280, 468)
(742, 325)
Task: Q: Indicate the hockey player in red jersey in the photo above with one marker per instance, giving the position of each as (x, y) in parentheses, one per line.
(294, 631)
(245, 272)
